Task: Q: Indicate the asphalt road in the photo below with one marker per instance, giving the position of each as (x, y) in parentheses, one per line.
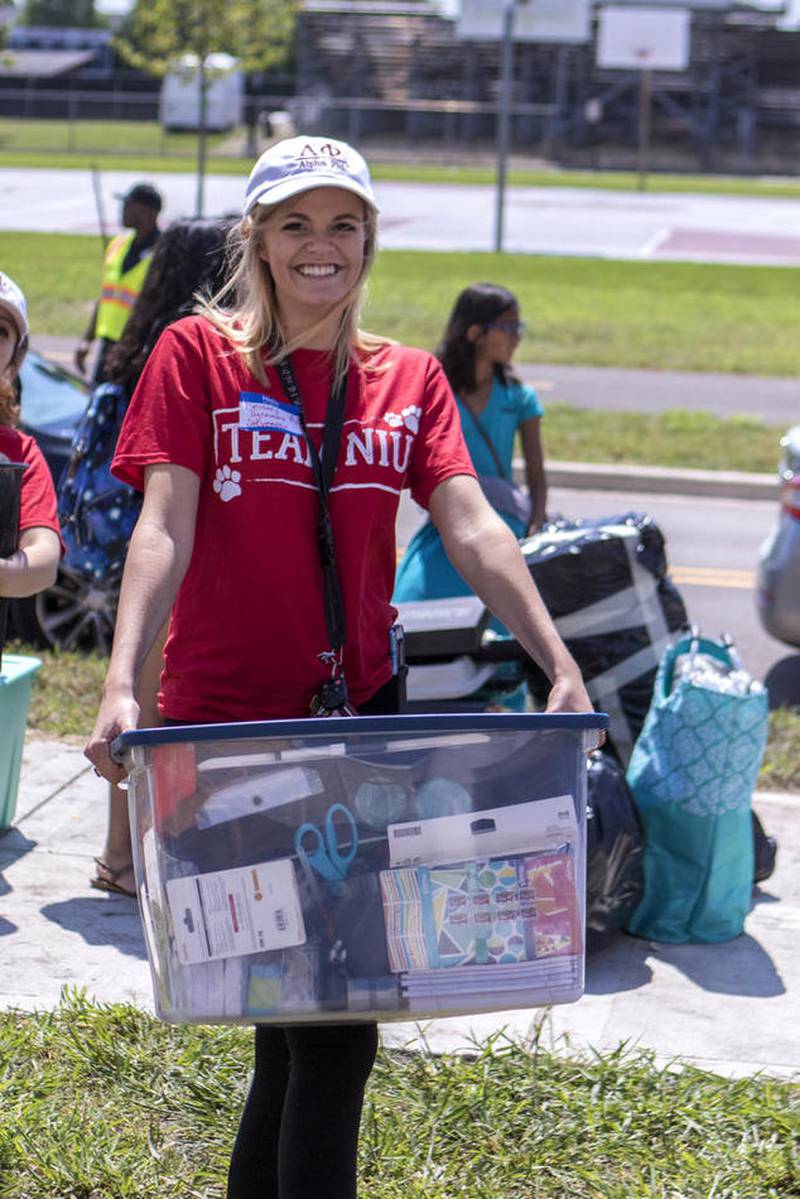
(452, 216)
(712, 549)
(775, 400)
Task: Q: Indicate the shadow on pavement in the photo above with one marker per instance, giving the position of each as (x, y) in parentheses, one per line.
(13, 846)
(619, 966)
(738, 967)
(108, 920)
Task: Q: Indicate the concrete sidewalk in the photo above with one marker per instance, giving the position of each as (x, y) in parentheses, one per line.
(731, 1008)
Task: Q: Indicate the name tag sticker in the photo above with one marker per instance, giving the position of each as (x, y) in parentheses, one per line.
(263, 412)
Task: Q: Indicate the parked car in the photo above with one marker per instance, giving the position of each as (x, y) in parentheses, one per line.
(76, 610)
(778, 586)
(53, 402)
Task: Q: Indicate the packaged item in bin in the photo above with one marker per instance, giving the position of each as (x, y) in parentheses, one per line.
(233, 912)
(285, 981)
(214, 986)
(538, 824)
(250, 795)
(551, 882)
(485, 913)
(174, 780)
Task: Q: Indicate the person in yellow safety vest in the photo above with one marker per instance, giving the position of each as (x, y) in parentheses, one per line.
(126, 264)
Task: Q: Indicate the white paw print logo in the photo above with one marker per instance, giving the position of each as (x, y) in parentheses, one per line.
(411, 416)
(408, 417)
(226, 483)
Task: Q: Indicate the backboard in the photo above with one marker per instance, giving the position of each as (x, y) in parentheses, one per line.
(643, 38)
(534, 20)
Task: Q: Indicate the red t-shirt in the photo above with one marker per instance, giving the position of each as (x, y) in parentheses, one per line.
(38, 507)
(248, 623)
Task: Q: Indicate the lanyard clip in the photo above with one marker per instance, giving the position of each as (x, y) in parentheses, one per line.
(333, 698)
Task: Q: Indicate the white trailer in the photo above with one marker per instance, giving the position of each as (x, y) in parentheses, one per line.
(179, 105)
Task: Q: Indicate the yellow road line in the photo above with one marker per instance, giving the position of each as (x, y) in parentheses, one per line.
(696, 576)
(712, 576)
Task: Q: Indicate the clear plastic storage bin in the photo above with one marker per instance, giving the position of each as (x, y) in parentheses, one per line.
(367, 868)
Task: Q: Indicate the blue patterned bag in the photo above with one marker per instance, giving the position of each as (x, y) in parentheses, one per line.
(97, 513)
(692, 773)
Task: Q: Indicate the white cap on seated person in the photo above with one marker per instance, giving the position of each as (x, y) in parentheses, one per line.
(12, 303)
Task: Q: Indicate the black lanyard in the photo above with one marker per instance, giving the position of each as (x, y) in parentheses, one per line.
(333, 695)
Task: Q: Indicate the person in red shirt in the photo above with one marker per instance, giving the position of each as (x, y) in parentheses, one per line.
(219, 434)
(33, 565)
(189, 259)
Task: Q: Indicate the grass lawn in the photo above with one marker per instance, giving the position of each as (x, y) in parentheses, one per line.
(179, 161)
(678, 438)
(152, 1112)
(66, 692)
(96, 138)
(671, 316)
(580, 311)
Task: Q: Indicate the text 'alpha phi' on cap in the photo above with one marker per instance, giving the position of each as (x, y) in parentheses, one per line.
(300, 164)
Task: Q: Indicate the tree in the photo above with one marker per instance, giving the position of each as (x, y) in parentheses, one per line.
(62, 14)
(161, 33)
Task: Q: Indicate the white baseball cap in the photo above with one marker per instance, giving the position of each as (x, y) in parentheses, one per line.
(299, 164)
(12, 302)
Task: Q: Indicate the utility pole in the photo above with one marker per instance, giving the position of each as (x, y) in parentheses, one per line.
(504, 118)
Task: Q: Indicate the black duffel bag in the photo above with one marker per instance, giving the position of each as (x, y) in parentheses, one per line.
(614, 851)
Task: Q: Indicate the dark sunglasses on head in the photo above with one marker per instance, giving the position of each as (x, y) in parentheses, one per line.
(512, 328)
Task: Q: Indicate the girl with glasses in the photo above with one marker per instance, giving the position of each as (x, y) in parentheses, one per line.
(476, 350)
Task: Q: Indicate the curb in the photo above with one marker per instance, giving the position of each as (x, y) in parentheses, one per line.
(785, 798)
(664, 480)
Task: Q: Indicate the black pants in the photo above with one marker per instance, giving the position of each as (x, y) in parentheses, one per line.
(298, 1137)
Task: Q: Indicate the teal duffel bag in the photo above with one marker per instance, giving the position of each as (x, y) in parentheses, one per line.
(692, 772)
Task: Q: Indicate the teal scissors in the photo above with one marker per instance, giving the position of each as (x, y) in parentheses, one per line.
(320, 848)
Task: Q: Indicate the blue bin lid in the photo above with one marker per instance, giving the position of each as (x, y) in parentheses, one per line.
(336, 727)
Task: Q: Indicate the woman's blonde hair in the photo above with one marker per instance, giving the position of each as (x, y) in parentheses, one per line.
(245, 309)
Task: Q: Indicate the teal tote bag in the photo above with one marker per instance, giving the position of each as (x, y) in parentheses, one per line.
(692, 772)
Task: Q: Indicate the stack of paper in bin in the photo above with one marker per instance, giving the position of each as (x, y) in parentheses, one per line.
(477, 980)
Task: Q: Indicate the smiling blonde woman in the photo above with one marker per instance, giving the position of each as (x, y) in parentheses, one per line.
(223, 435)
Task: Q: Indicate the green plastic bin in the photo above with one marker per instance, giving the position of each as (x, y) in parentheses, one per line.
(16, 677)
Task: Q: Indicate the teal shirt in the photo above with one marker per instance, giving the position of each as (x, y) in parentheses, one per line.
(508, 408)
(425, 571)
